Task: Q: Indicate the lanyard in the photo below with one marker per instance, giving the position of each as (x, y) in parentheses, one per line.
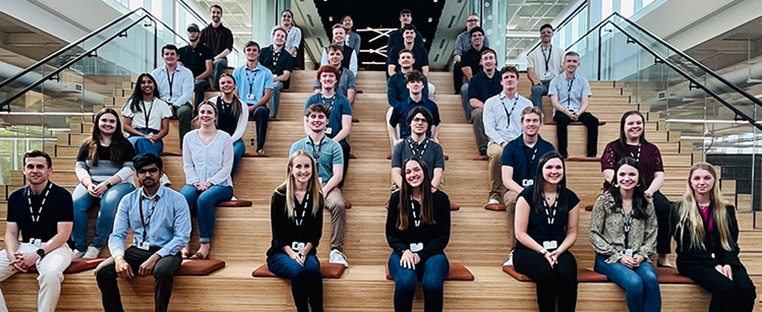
(418, 151)
(276, 56)
(251, 79)
(550, 211)
(627, 221)
(640, 145)
(147, 113)
(547, 57)
(568, 91)
(507, 113)
(416, 215)
(329, 101)
(42, 204)
(530, 162)
(316, 154)
(145, 222)
(297, 219)
(170, 80)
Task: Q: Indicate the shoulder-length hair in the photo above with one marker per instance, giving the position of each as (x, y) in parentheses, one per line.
(313, 186)
(622, 146)
(689, 218)
(406, 194)
(137, 93)
(639, 201)
(539, 184)
(118, 142)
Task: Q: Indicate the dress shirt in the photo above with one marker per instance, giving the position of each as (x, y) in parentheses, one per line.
(179, 92)
(293, 37)
(203, 162)
(569, 91)
(496, 124)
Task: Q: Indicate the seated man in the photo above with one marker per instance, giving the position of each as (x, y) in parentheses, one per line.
(543, 65)
(569, 94)
(220, 39)
(463, 44)
(280, 63)
(43, 214)
(159, 219)
(198, 58)
(483, 86)
(350, 56)
(400, 112)
(395, 37)
(396, 85)
(330, 162)
(420, 121)
(255, 86)
(347, 86)
(520, 158)
(471, 62)
(175, 85)
(502, 123)
(419, 53)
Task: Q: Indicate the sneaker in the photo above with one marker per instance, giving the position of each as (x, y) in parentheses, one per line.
(337, 257)
(91, 253)
(165, 180)
(233, 198)
(261, 151)
(509, 262)
(494, 204)
(78, 254)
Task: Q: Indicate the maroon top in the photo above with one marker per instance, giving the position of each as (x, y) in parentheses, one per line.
(217, 39)
(650, 159)
(709, 224)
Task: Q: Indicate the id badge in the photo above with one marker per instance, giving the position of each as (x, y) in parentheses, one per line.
(628, 252)
(550, 245)
(527, 182)
(144, 245)
(546, 75)
(320, 180)
(328, 130)
(416, 247)
(297, 246)
(36, 242)
(250, 96)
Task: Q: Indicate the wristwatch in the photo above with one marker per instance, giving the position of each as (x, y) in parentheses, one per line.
(41, 252)
(108, 185)
(543, 251)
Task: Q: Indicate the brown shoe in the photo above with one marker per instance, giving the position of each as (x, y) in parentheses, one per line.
(347, 205)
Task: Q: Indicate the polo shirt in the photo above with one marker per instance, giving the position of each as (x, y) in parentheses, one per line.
(217, 39)
(195, 58)
(58, 208)
(482, 87)
(420, 54)
(471, 58)
(524, 159)
(463, 43)
(326, 153)
(339, 105)
(277, 66)
(252, 83)
(400, 112)
(428, 150)
(175, 87)
(396, 88)
(569, 91)
(502, 117)
(537, 225)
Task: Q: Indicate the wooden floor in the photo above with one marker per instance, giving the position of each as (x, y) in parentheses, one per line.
(478, 238)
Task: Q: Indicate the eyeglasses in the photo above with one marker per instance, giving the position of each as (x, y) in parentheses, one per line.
(148, 171)
(419, 120)
(547, 32)
(472, 20)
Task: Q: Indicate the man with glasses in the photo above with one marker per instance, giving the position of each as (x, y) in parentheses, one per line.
(543, 64)
(462, 44)
(159, 219)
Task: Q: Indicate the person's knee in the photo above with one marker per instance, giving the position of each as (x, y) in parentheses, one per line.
(406, 280)
(476, 114)
(538, 90)
(50, 277)
(464, 88)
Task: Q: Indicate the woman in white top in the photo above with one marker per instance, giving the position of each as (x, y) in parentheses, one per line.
(146, 117)
(232, 118)
(207, 174)
(294, 37)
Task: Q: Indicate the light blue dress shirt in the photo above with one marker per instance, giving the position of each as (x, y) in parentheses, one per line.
(569, 91)
(495, 115)
(178, 92)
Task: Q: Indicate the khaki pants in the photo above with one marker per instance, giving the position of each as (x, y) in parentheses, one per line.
(334, 202)
(494, 153)
(509, 199)
(50, 270)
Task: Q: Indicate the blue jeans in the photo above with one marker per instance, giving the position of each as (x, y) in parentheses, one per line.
(306, 281)
(432, 273)
(640, 284)
(199, 88)
(143, 145)
(538, 91)
(217, 67)
(206, 204)
(109, 202)
(238, 149)
(275, 98)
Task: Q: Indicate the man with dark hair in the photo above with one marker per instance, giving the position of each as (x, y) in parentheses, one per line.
(419, 53)
(395, 37)
(220, 39)
(255, 87)
(543, 65)
(349, 54)
(483, 86)
(43, 214)
(396, 85)
(347, 85)
(419, 120)
(159, 219)
(463, 44)
(198, 58)
(415, 83)
(175, 84)
(330, 162)
(471, 65)
(569, 95)
(502, 124)
(280, 63)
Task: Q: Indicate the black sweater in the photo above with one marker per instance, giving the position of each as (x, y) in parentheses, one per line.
(687, 255)
(284, 229)
(433, 236)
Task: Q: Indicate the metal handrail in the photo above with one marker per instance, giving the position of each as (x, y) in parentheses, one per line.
(565, 22)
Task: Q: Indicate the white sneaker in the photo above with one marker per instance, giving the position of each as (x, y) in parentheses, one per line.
(91, 253)
(337, 257)
(233, 198)
(165, 180)
(509, 262)
(492, 201)
(78, 254)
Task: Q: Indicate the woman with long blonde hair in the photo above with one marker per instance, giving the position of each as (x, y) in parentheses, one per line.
(705, 228)
(296, 214)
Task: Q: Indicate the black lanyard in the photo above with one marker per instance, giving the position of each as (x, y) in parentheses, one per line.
(547, 57)
(147, 113)
(299, 220)
(276, 56)
(568, 91)
(170, 80)
(29, 193)
(329, 102)
(145, 222)
(416, 214)
(251, 79)
(640, 145)
(420, 150)
(505, 109)
(530, 162)
(316, 154)
(627, 221)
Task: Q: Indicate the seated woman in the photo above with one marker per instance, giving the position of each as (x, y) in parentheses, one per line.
(104, 171)
(294, 34)
(632, 143)
(547, 217)
(146, 117)
(296, 213)
(233, 117)
(418, 230)
(623, 234)
(705, 229)
(207, 161)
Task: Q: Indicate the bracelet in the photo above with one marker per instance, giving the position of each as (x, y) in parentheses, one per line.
(543, 251)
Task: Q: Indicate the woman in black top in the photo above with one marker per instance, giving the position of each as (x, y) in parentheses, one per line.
(296, 217)
(547, 218)
(418, 230)
(705, 228)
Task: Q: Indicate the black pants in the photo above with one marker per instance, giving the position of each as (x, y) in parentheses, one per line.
(345, 149)
(562, 133)
(457, 76)
(558, 282)
(163, 274)
(663, 240)
(737, 295)
(261, 116)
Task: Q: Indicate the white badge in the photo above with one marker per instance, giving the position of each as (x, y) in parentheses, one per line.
(144, 245)
(297, 246)
(546, 75)
(416, 247)
(250, 96)
(328, 130)
(627, 252)
(550, 245)
(320, 180)
(36, 242)
(527, 182)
